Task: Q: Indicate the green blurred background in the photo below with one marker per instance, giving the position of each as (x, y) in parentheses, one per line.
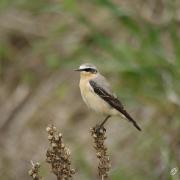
(135, 44)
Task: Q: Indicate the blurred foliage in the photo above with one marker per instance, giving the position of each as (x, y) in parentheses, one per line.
(140, 51)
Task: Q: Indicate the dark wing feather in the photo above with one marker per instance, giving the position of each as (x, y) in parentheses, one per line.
(112, 101)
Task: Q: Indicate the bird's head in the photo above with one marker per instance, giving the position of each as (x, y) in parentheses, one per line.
(87, 70)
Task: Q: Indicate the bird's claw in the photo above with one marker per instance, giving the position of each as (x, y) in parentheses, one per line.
(99, 129)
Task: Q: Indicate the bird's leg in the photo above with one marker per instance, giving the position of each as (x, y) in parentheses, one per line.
(105, 120)
(101, 126)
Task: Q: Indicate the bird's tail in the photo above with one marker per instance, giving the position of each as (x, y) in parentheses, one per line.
(127, 115)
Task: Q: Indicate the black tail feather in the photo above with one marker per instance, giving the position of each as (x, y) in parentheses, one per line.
(126, 114)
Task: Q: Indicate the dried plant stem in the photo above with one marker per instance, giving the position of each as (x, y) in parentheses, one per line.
(34, 172)
(98, 134)
(102, 177)
(58, 155)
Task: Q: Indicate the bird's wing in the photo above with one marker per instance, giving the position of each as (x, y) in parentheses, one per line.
(111, 100)
(102, 82)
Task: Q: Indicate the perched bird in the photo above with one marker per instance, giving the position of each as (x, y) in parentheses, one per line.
(98, 96)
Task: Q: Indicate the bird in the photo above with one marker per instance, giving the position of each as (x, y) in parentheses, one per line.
(97, 94)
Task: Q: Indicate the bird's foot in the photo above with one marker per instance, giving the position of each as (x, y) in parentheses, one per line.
(99, 129)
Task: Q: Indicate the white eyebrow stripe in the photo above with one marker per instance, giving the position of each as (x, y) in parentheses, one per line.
(83, 67)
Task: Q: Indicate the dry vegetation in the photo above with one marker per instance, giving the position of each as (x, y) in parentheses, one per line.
(101, 151)
(34, 171)
(58, 155)
(136, 44)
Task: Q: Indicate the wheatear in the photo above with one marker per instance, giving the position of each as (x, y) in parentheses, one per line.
(98, 96)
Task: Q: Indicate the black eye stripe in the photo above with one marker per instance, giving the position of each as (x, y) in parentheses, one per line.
(90, 70)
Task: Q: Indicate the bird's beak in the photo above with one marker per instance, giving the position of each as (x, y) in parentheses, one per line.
(77, 70)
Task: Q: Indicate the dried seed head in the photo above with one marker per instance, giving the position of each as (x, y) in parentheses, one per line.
(37, 165)
(56, 138)
(54, 145)
(34, 171)
(30, 172)
(98, 134)
(34, 176)
(54, 128)
(73, 171)
(58, 155)
(62, 146)
(50, 137)
(48, 129)
(98, 155)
